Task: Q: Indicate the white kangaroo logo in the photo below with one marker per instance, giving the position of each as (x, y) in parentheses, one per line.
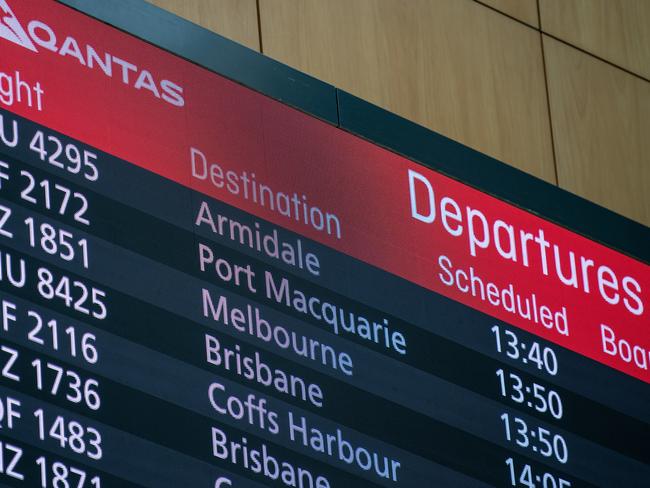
(11, 29)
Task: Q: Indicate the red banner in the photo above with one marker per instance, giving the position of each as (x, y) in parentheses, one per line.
(126, 97)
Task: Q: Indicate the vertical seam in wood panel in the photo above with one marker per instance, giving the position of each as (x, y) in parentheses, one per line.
(259, 25)
(548, 96)
(552, 36)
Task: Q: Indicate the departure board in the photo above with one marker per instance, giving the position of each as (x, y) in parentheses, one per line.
(201, 286)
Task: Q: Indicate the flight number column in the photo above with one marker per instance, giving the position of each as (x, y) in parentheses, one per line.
(33, 208)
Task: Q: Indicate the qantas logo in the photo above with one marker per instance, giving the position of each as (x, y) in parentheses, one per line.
(42, 35)
(11, 29)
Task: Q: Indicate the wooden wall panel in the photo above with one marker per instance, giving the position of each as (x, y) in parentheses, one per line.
(601, 124)
(524, 10)
(234, 19)
(454, 66)
(616, 30)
